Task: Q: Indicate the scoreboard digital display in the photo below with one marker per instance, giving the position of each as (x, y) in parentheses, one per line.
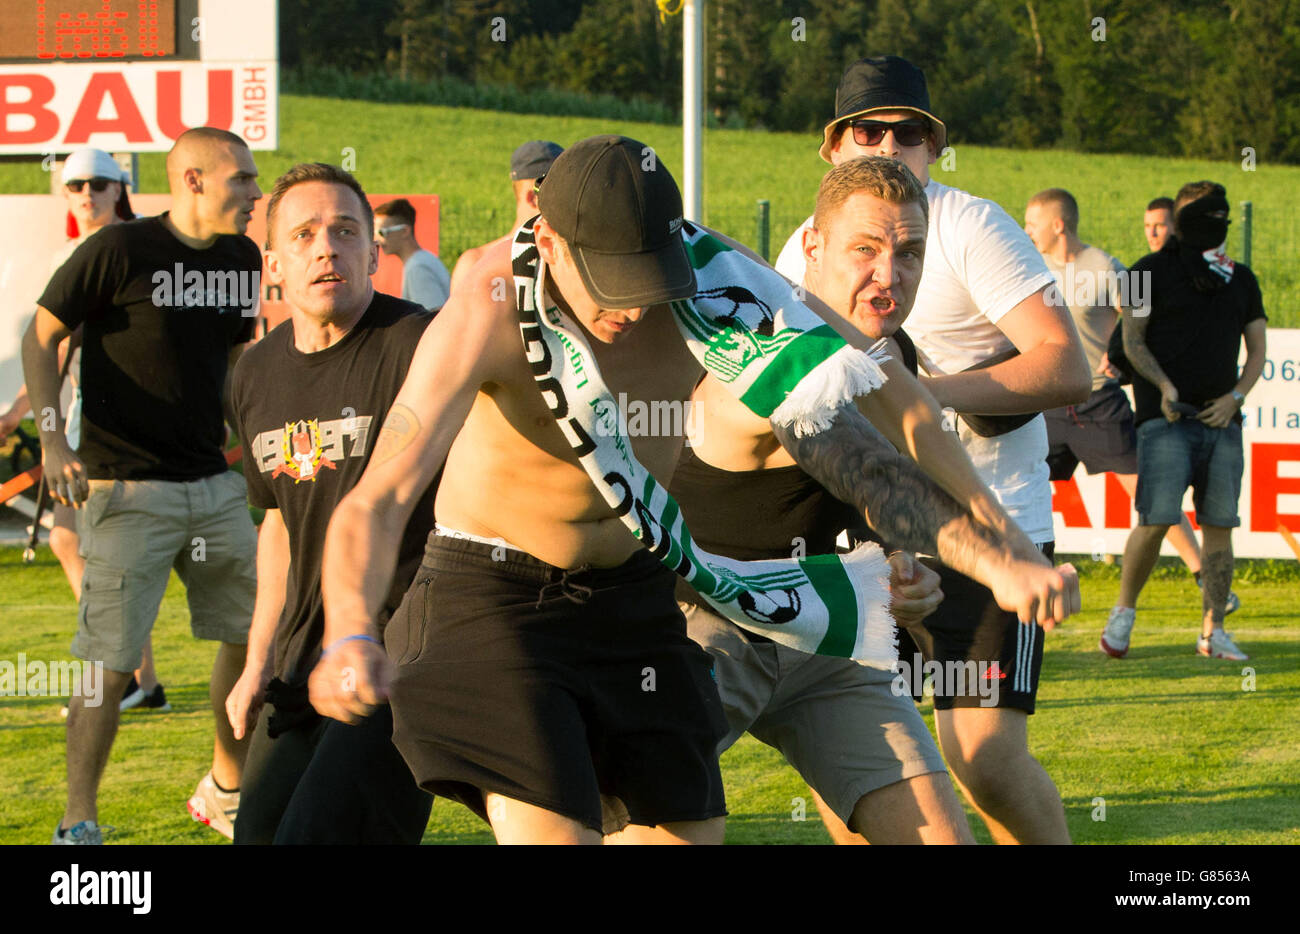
(96, 31)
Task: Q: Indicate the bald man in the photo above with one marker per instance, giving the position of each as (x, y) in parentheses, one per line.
(166, 304)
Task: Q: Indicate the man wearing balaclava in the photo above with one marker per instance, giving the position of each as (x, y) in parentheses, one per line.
(1191, 307)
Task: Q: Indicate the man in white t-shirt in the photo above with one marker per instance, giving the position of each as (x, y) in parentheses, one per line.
(425, 279)
(991, 348)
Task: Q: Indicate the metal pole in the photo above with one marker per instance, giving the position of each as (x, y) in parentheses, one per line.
(764, 228)
(1246, 212)
(693, 108)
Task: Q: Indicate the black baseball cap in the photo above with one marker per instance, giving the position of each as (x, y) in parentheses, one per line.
(533, 159)
(619, 210)
(888, 83)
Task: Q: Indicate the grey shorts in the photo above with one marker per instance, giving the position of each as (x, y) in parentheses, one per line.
(133, 532)
(841, 725)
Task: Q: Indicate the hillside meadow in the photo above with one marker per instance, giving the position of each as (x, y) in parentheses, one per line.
(463, 156)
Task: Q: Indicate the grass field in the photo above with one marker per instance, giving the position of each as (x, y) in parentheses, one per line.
(1172, 743)
(1177, 749)
(463, 156)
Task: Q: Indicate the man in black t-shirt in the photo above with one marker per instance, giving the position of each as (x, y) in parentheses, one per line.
(309, 400)
(166, 305)
(1192, 307)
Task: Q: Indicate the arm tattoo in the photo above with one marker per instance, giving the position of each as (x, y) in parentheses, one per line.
(857, 465)
(1139, 354)
(400, 427)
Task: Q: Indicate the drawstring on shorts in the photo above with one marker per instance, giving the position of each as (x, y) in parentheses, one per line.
(571, 590)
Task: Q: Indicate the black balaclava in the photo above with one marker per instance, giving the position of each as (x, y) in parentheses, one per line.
(1197, 228)
(1198, 232)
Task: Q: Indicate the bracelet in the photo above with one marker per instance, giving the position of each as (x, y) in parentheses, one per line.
(358, 637)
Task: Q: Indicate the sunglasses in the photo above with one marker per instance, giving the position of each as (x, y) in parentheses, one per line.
(385, 231)
(96, 184)
(906, 133)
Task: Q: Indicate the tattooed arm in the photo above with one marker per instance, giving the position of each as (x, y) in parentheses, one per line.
(856, 464)
(910, 419)
(1143, 361)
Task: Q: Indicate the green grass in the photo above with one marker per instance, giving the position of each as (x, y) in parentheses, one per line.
(1173, 744)
(463, 154)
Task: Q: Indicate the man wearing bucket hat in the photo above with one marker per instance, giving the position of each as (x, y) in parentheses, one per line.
(996, 353)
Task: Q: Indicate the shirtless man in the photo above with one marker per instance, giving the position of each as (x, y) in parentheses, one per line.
(541, 661)
(861, 744)
(528, 163)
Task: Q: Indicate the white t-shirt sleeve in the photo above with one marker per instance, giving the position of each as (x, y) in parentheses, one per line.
(997, 261)
(425, 281)
(790, 263)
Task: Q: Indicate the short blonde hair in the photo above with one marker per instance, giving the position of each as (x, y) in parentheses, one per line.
(877, 176)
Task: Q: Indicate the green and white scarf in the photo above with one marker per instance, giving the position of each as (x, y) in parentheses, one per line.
(783, 362)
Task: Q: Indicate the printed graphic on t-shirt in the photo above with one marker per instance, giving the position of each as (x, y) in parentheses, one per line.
(303, 449)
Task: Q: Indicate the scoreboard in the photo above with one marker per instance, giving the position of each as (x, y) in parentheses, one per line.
(96, 30)
(132, 75)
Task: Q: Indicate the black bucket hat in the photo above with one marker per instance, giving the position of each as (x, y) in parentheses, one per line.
(888, 83)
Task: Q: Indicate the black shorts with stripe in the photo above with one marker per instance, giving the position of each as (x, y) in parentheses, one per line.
(970, 627)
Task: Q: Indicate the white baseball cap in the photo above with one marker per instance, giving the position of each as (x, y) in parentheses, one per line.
(92, 163)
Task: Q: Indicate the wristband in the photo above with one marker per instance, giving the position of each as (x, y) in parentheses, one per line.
(358, 637)
(1238, 398)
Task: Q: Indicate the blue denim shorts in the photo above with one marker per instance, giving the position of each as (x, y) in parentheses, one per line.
(1175, 455)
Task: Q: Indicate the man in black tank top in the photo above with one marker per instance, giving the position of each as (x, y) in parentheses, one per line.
(852, 732)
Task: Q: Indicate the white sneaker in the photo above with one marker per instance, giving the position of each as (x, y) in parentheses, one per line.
(86, 833)
(214, 807)
(1220, 645)
(1114, 638)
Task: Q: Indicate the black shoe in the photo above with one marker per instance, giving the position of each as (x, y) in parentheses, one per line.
(132, 696)
(156, 700)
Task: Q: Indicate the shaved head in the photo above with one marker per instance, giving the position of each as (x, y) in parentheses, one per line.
(213, 181)
(201, 148)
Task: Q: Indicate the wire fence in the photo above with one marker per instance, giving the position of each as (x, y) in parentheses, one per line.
(1269, 244)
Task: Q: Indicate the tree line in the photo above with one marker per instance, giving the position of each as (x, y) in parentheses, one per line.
(1200, 78)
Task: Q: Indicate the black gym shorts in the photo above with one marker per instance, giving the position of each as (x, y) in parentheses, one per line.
(970, 627)
(554, 687)
(1100, 433)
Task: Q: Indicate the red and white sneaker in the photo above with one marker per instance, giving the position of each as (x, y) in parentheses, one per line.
(1220, 645)
(214, 807)
(1114, 638)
